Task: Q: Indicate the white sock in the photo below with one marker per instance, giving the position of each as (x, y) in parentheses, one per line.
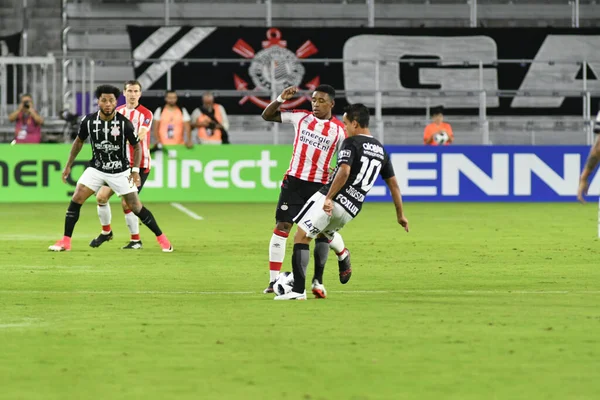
(105, 216)
(133, 225)
(276, 253)
(337, 245)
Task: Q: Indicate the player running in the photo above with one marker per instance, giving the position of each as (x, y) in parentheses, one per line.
(318, 136)
(141, 118)
(360, 160)
(108, 132)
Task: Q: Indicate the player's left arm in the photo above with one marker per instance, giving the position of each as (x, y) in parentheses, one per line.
(146, 125)
(450, 134)
(590, 166)
(387, 173)
(133, 139)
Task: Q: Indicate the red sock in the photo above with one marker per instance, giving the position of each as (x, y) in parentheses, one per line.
(275, 266)
(106, 228)
(135, 237)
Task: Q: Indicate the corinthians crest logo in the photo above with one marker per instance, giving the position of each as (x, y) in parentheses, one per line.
(288, 70)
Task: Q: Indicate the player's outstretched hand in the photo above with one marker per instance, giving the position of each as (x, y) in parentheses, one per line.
(65, 174)
(289, 92)
(582, 190)
(328, 206)
(404, 222)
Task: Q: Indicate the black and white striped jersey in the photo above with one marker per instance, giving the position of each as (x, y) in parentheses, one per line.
(108, 140)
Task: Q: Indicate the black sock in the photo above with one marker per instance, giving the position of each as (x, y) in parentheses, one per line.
(321, 253)
(148, 219)
(71, 218)
(299, 264)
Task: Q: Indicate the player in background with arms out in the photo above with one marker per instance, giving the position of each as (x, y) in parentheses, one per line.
(360, 160)
(590, 165)
(318, 136)
(141, 118)
(109, 132)
(438, 132)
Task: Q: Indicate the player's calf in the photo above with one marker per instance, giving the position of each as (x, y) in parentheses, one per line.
(345, 268)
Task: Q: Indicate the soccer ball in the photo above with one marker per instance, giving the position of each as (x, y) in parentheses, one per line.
(284, 283)
(441, 137)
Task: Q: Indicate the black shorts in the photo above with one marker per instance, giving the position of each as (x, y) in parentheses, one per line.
(143, 177)
(294, 194)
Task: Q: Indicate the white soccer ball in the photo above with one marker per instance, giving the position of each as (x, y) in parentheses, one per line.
(441, 137)
(284, 283)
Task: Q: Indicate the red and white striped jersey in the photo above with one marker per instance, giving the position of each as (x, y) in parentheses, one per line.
(315, 143)
(139, 117)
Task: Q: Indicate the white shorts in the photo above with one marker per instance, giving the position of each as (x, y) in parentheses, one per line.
(119, 182)
(313, 220)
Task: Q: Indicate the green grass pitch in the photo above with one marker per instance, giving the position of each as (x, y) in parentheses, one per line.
(478, 301)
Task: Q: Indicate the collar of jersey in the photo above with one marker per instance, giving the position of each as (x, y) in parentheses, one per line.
(323, 120)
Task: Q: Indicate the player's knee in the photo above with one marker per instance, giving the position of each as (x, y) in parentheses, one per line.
(284, 226)
(101, 199)
(301, 236)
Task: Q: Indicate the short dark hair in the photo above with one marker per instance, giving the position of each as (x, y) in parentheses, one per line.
(326, 89)
(359, 113)
(170, 91)
(132, 82)
(107, 89)
(437, 110)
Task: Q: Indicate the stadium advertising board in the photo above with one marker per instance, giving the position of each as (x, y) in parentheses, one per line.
(32, 173)
(417, 59)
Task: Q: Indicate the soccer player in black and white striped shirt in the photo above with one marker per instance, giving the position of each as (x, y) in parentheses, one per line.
(109, 133)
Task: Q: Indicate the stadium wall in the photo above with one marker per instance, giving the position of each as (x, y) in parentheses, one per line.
(252, 173)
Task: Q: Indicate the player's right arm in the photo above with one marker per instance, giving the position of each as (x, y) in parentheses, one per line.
(272, 112)
(428, 135)
(590, 166)
(82, 134)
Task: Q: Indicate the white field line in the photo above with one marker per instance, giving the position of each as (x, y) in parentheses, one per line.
(20, 237)
(208, 293)
(16, 325)
(187, 211)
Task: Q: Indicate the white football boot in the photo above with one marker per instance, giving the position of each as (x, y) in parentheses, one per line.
(318, 290)
(292, 296)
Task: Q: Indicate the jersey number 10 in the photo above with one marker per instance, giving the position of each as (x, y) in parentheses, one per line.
(368, 173)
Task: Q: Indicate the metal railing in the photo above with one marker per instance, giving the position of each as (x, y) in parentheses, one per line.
(370, 16)
(376, 84)
(74, 91)
(39, 76)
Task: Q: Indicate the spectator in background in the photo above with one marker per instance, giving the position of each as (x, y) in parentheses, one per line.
(438, 132)
(211, 121)
(172, 123)
(29, 123)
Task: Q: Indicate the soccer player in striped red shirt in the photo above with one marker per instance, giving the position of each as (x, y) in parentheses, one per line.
(318, 136)
(141, 118)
